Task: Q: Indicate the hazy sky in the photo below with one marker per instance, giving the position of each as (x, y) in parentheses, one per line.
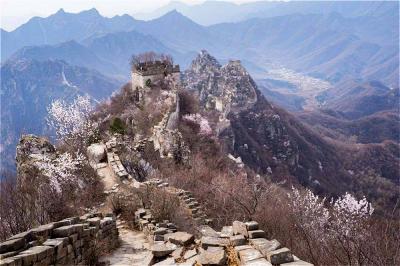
(15, 12)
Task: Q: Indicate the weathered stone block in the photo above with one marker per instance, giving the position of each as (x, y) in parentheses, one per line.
(206, 230)
(95, 221)
(13, 261)
(12, 245)
(180, 238)
(68, 230)
(56, 243)
(212, 257)
(27, 235)
(43, 231)
(160, 231)
(239, 248)
(162, 250)
(265, 246)
(226, 231)
(207, 241)
(257, 234)
(73, 238)
(69, 249)
(257, 262)
(249, 254)
(252, 225)
(177, 253)
(8, 254)
(280, 256)
(189, 254)
(237, 240)
(26, 258)
(239, 228)
(40, 252)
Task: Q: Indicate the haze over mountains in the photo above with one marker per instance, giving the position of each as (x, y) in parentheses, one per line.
(329, 45)
(303, 56)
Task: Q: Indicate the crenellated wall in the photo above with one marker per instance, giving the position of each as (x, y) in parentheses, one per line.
(72, 241)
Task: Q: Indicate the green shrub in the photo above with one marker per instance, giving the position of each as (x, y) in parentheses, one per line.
(148, 82)
(117, 126)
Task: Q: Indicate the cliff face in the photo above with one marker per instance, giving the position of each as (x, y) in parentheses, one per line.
(30, 152)
(223, 88)
(267, 139)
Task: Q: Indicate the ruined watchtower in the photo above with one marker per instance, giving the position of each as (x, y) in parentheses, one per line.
(147, 73)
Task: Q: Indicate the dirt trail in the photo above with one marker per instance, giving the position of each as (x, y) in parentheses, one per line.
(133, 250)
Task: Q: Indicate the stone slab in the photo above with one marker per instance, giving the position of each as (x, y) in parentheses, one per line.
(180, 238)
(249, 254)
(239, 228)
(280, 256)
(214, 257)
(265, 246)
(207, 241)
(237, 240)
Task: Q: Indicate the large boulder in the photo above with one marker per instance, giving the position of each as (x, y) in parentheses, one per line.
(96, 153)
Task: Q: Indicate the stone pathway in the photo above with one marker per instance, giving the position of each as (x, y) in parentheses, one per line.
(133, 250)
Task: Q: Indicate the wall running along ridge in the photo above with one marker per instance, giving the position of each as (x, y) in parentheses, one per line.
(242, 240)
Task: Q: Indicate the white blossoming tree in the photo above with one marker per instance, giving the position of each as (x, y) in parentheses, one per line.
(72, 121)
(60, 170)
(342, 224)
(310, 218)
(205, 128)
(310, 210)
(348, 227)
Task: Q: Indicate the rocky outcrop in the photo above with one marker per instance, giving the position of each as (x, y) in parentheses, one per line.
(72, 241)
(223, 88)
(266, 138)
(96, 153)
(30, 152)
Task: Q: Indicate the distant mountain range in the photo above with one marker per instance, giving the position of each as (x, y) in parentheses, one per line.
(27, 89)
(353, 112)
(214, 12)
(357, 41)
(329, 46)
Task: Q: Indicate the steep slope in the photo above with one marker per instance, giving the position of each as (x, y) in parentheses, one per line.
(374, 128)
(267, 138)
(179, 32)
(61, 27)
(71, 52)
(27, 89)
(356, 100)
(328, 46)
(273, 142)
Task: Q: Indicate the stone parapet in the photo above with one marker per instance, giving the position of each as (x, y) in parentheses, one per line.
(72, 241)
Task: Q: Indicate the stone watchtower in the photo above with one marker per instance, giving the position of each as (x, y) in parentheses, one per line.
(147, 73)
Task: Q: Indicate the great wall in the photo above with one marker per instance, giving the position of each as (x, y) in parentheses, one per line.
(80, 240)
(106, 239)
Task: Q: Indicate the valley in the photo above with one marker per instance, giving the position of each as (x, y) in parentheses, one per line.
(304, 86)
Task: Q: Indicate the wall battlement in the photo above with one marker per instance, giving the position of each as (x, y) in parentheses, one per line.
(154, 68)
(72, 241)
(147, 73)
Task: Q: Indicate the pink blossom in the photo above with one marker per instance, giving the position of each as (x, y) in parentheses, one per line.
(205, 128)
